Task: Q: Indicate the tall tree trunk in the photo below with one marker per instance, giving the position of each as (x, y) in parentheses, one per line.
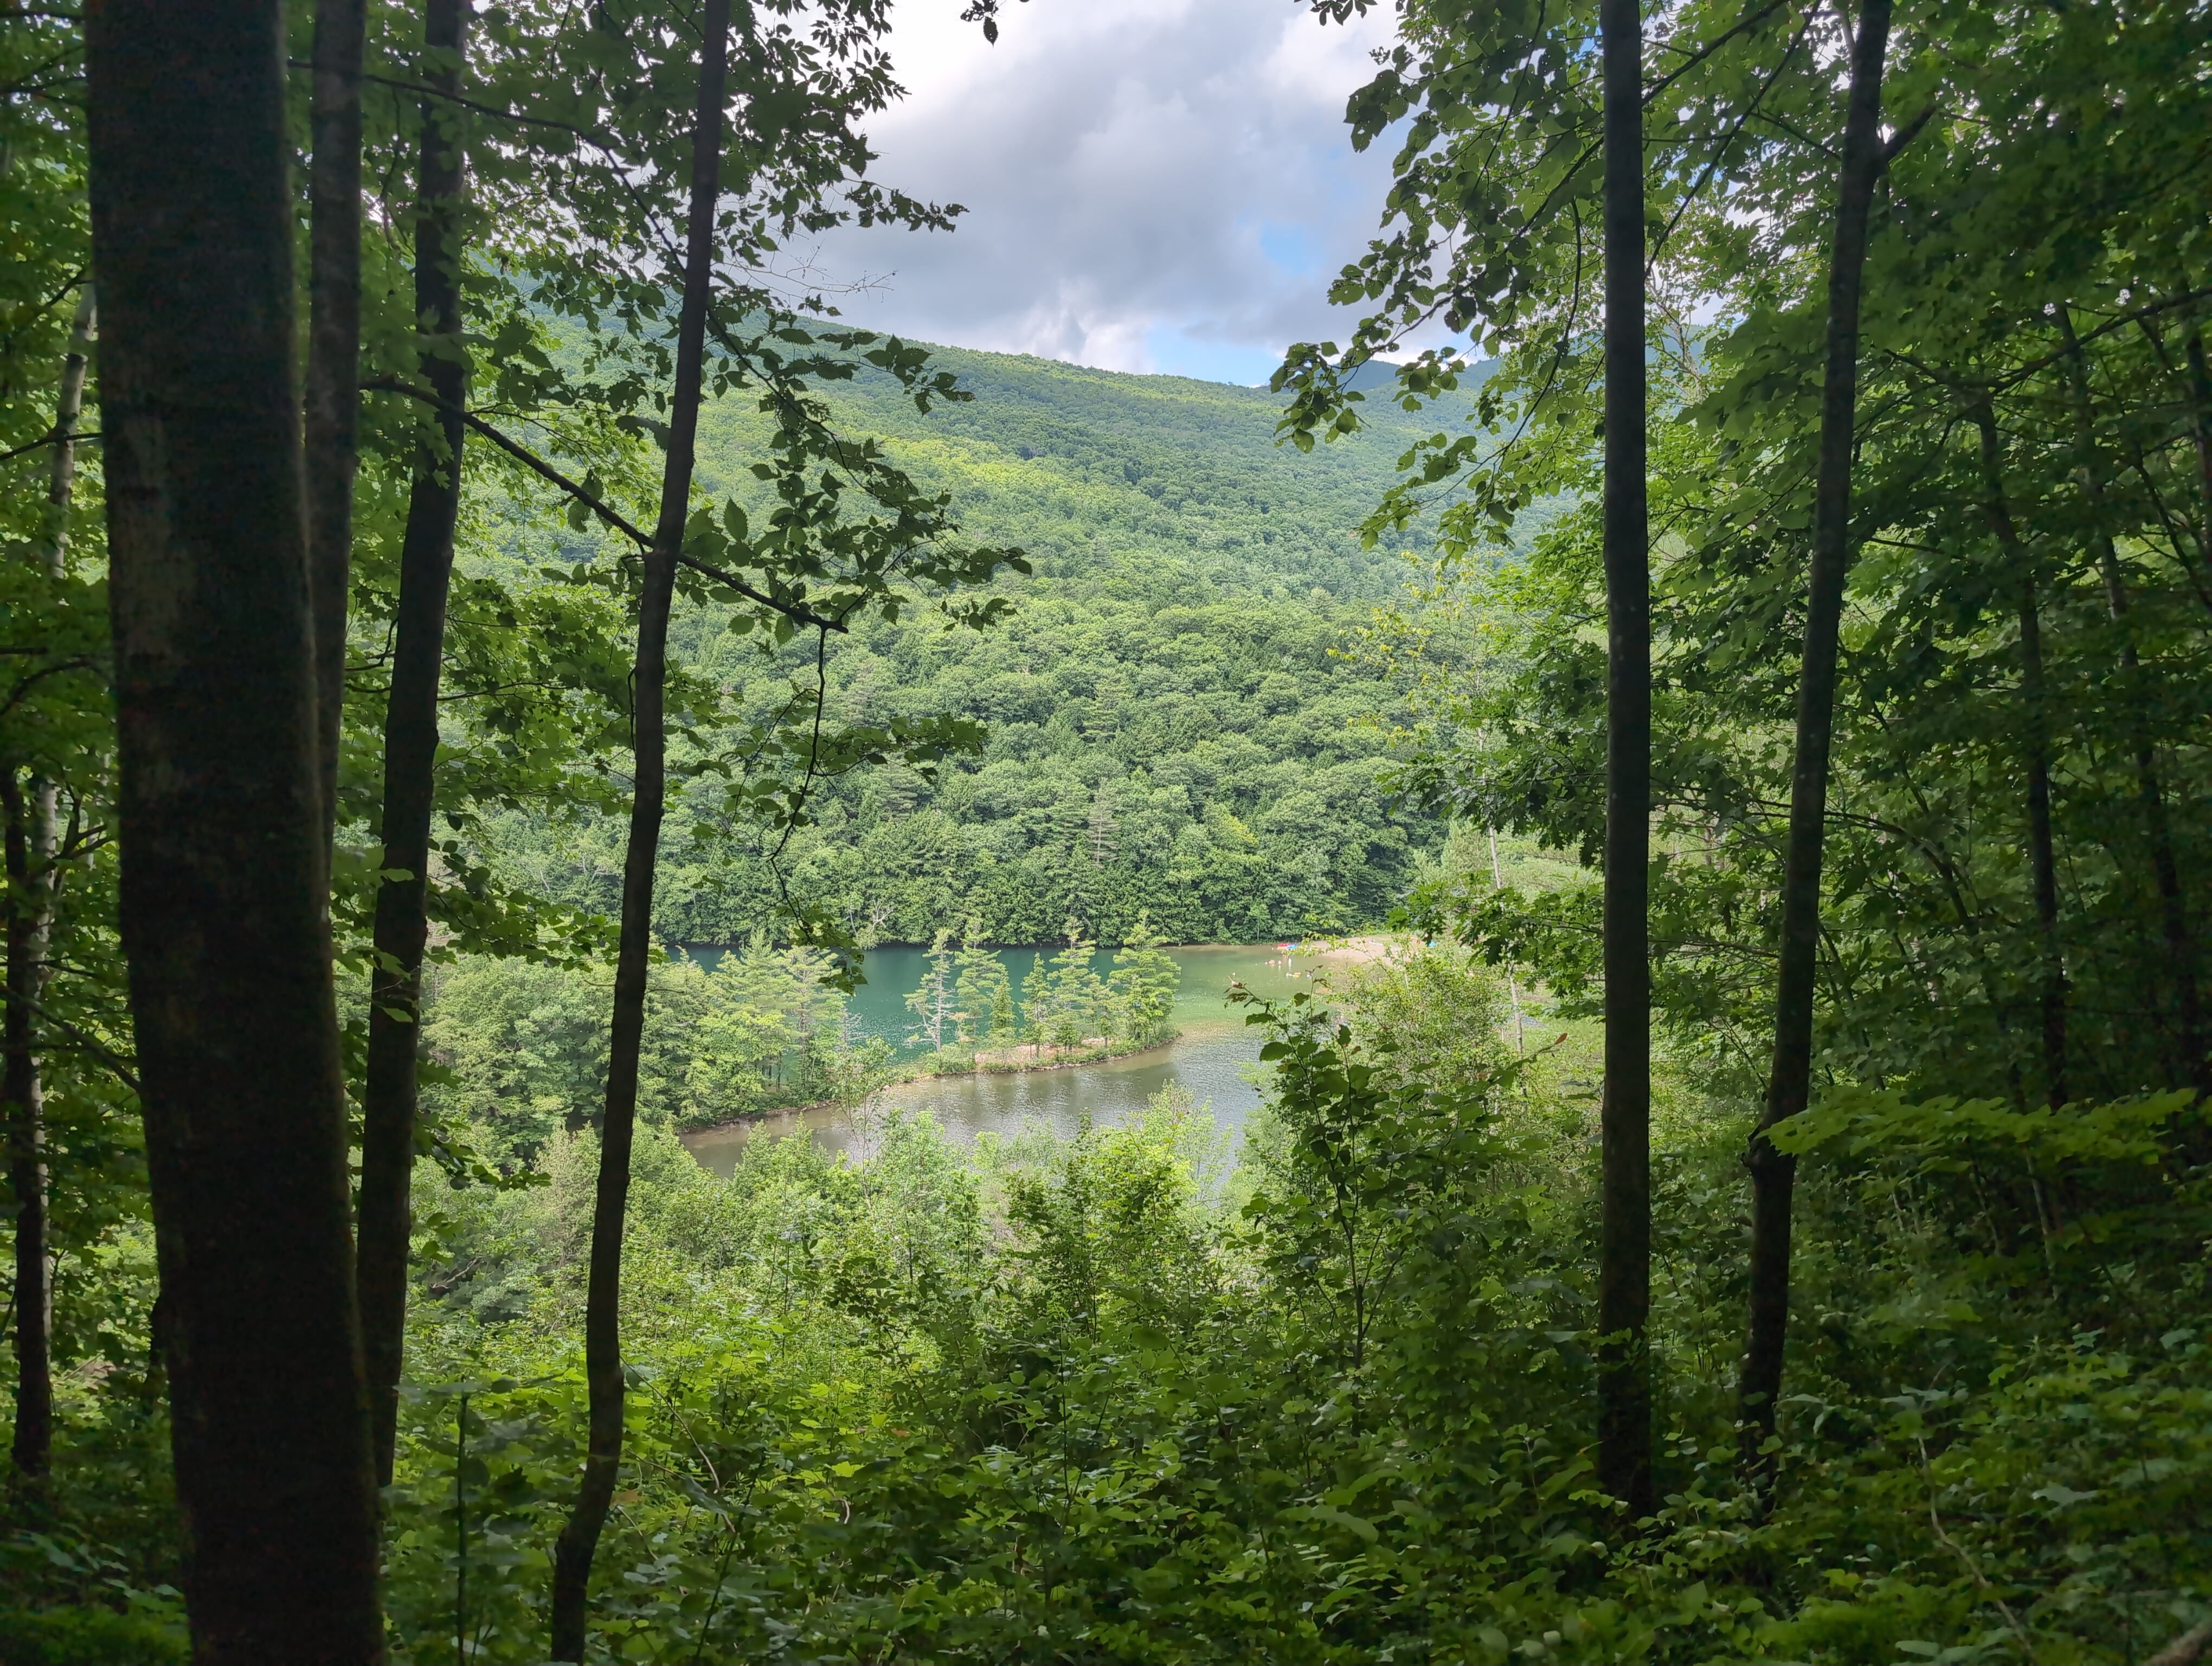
(410, 738)
(30, 866)
(1789, 1078)
(333, 387)
(224, 885)
(1624, 1248)
(2200, 394)
(2181, 951)
(602, 1368)
(2035, 747)
(2042, 859)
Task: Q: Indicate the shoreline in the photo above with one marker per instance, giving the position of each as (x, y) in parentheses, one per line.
(1357, 948)
(915, 1077)
(1307, 960)
(1001, 1064)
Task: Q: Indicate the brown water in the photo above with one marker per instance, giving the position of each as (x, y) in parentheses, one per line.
(1209, 1059)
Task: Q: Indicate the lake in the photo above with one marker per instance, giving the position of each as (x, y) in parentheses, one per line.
(1206, 1059)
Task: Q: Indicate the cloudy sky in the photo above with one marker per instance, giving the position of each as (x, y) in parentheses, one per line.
(1150, 185)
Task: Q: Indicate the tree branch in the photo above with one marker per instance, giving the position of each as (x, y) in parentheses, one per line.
(51, 437)
(797, 612)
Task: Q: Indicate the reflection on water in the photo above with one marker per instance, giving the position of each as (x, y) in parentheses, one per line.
(1207, 1060)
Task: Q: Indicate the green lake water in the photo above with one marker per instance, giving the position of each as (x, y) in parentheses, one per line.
(1207, 1058)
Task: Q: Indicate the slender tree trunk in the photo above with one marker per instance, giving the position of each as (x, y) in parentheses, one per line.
(53, 541)
(2200, 394)
(1624, 1248)
(2181, 951)
(1790, 1079)
(30, 866)
(2035, 746)
(224, 885)
(602, 1366)
(2041, 856)
(410, 740)
(333, 387)
(1512, 986)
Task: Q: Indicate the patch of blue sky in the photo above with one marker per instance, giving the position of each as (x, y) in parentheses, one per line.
(1185, 350)
(1291, 249)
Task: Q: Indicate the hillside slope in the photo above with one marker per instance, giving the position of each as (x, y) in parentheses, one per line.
(1083, 465)
(1171, 734)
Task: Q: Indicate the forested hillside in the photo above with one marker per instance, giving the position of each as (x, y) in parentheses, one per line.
(1170, 733)
(1763, 1211)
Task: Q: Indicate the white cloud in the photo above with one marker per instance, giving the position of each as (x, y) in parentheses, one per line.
(1152, 184)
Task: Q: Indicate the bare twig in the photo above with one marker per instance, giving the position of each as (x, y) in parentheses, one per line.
(120, 1067)
(51, 437)
(440, 1287)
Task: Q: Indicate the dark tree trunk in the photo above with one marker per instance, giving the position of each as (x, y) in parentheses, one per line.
(1625, 1248)
(2042, 859)
(410, 740)
(1790, 1079)
(2035, 748)
(333, 388)
(224, 885)
(2166, 871)
(2200, 394)
(602, 1368)
(30, 865)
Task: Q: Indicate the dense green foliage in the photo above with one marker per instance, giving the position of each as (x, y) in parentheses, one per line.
(1079, 1402)
(515, 1051)
(1169, 732)
(2032, 511)
(518, 1050)
(1086, 1401)
(1097, 1400)
(1117, 1398)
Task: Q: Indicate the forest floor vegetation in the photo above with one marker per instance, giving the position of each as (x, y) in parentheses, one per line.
(1117, 1398)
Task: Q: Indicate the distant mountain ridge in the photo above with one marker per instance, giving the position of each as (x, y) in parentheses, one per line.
(1070, 461)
